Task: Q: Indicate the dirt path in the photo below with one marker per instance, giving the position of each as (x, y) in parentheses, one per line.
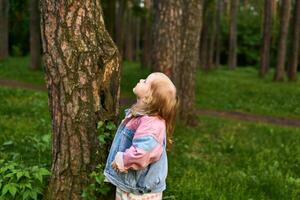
(201, 111)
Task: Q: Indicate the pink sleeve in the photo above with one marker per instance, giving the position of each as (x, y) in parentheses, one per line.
(146, 144)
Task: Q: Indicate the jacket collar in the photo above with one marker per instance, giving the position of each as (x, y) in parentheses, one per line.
(128, 113)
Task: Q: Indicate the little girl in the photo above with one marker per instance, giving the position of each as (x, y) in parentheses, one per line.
(137, 162)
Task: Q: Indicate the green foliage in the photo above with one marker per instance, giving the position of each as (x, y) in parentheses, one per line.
(25, 127)
(97, 187)
(106, 131)
(19, 182)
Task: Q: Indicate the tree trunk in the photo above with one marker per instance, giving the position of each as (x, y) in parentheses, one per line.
(204, 41)
(4, 10)
(232, 54)
(293, 63)
(129, 40)
(266, 39)
(35, 35)
(218, 31)
(212, 40)
(284, 24)
(166, 36)
(83, 77)
(146, 36)
(137, 38)
(186, 70)
(120, 25)
(111, 17)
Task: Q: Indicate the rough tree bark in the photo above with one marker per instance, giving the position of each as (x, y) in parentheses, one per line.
(4, 10)
(177, 27)
(166, 35)
(266, 39)
(293, 63)
(185, 72)
(232, 54)
(35, 35)
(83, 77)
(284, 25)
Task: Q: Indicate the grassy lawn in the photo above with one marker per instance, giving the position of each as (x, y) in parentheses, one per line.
(242, 90)
(25, 126)
(17, 68)
(227, 159)
(219, 159)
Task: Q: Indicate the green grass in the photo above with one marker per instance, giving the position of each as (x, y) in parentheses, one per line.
(25, 126)
(227, 159)
(17, 68)
(242, 90)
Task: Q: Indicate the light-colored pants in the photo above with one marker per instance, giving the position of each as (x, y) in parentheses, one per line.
(121, 195)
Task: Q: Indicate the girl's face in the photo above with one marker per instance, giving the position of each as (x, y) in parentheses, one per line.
(143, 86)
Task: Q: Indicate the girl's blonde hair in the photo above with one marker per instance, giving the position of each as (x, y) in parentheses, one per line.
(161, 101)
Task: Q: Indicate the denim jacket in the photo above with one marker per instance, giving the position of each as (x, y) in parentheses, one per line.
(142, 141)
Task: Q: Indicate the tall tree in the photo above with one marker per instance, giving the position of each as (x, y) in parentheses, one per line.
(129, 33)
(166, 35)
(186, 70)
(211, 49)
(219, 8)
(146, 35)
(284, 25)
(111, 13)
(177, 27)
(35, 35)
(204, 42)
(293, 63)
(83, 77)
(120, 24)
(266, 39)
(232, 54)
(4, 9)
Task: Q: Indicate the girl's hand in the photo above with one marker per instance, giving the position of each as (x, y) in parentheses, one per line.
(116, 168)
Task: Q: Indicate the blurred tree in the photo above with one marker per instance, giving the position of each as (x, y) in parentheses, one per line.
(35, 35)
(83, 77)
(185, 71)
(146, 34)
(266, 39)
(232, 54)
(219, 12)
(120, 25)
(129, 32)
(284, 25)
(4, 10)
(110, 12)
(206, 32)
(294, 58)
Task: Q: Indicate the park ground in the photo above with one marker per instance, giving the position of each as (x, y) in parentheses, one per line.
(229, 155)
